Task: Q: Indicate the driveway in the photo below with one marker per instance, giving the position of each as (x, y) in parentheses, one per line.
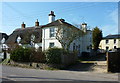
(92, 64)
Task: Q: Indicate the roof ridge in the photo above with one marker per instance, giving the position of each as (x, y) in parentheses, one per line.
(60, 21)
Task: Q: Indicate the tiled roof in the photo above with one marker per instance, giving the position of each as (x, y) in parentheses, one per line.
(112, 36)
(59, 22)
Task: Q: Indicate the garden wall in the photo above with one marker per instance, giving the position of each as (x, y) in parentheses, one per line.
(34, 65)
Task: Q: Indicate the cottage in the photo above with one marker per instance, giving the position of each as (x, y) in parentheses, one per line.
(47, 36)
(3, 46)
(110, 42)
(26, 36)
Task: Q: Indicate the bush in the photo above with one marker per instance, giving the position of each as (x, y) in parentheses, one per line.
(37, 56)
(85, 54)
(53, 55)
(21, 54)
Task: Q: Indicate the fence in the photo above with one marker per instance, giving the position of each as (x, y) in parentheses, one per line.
(69, 59)
(113, 61)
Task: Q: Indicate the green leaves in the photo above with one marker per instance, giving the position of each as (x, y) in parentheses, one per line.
(53, 55)
(97, 36)
(21, 54)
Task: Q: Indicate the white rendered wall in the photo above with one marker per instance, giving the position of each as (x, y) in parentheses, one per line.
(110, 44)
(86, 41)
(51, 18)
(37, 45)
(46, 39)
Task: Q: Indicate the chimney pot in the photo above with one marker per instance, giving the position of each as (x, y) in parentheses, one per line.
(84, 26)
(23, 25)
(37, 23)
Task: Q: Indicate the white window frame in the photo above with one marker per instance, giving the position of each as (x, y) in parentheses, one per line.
(52, 32)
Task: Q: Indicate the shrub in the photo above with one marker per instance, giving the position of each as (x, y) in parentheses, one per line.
(53, 55)
(37, 56)
(85, 54)
(21, 54)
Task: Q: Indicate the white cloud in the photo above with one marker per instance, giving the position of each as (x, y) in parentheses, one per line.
(114, 16)
(111, 28)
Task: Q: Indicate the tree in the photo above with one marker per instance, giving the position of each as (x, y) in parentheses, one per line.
(97, 36)
(65, 35)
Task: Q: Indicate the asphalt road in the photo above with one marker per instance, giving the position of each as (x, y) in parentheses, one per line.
(23, 74)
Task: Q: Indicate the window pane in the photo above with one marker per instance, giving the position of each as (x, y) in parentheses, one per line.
(107, 41)
(52, 29)
(52, 35)
(52, 32)
(51, 45)
(73, 46)
(114, 41)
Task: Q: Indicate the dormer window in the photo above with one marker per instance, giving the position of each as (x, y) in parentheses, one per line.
(18, 39)
(3, 40)
(32, 37)
(32, 42)
(52, 32)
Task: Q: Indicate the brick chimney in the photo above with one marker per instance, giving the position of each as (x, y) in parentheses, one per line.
(23, 25)
(37, 23)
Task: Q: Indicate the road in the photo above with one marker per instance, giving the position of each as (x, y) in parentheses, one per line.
(25, 74)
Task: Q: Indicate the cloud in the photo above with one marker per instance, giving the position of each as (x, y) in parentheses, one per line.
(114, 16)
(109, 29)
(113, 27)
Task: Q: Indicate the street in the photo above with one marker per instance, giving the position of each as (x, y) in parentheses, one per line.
(25, 74)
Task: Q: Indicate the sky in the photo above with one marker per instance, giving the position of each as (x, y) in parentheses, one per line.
(104, 15)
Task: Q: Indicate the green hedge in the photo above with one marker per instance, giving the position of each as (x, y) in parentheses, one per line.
(38, 56)
(21, 54)
(53, 55)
